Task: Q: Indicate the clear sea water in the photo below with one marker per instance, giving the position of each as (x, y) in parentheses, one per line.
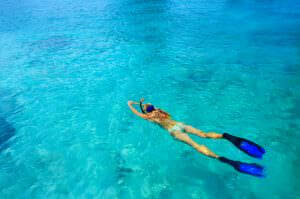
(67, 69)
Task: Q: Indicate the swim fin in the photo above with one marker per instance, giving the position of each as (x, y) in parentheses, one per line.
(247, 146)
(250, 169)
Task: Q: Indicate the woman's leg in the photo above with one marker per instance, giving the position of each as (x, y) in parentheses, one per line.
(192, 130)
(200, 148)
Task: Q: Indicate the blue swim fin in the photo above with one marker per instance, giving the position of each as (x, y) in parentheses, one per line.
(250, 169)
(247, 146)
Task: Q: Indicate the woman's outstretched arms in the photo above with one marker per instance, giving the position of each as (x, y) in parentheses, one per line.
(130, 103)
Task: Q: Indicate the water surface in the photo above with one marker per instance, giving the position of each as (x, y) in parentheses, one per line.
(67, 69)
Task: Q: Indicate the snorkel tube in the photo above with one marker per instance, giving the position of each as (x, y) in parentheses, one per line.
(141, 106)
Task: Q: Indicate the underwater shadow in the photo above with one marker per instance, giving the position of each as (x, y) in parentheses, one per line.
(7, 131)
(8, 108)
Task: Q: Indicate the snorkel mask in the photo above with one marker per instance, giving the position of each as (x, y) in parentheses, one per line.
(149, 108)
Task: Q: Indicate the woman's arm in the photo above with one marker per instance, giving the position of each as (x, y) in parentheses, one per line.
(144, 116)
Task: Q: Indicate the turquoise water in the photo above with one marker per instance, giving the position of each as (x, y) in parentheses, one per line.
(67, 69)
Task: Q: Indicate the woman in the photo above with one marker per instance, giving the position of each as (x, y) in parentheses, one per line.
(180, 132)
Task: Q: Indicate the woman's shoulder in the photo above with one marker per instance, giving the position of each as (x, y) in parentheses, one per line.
(153, 114)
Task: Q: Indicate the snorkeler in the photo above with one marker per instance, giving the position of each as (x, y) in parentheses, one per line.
(180, 132)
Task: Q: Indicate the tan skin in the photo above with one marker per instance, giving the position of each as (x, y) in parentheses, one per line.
(164, 120)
